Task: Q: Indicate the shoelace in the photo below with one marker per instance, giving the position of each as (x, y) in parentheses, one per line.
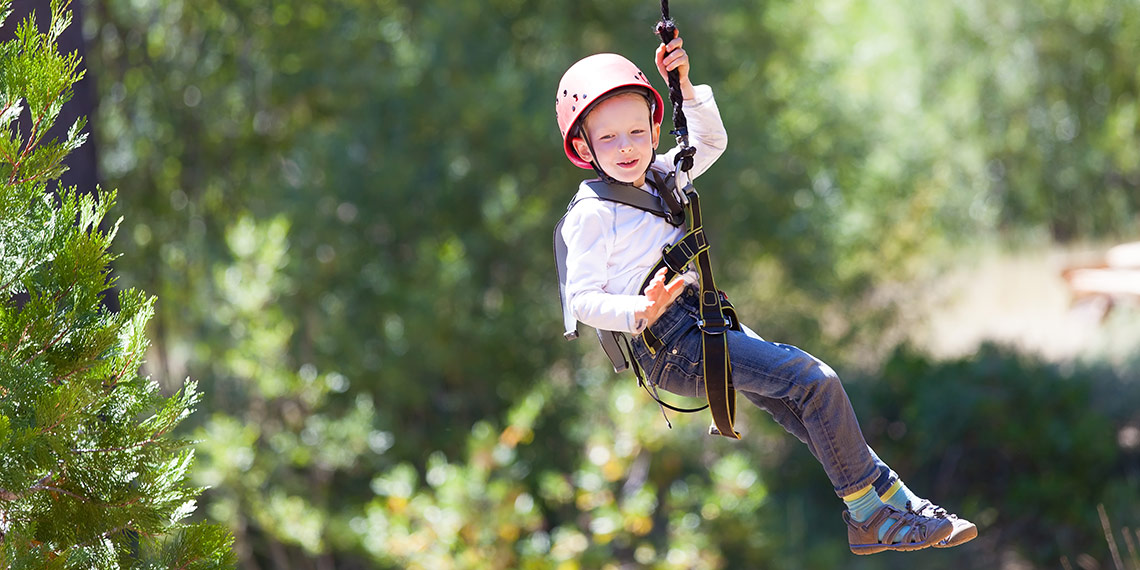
(939, 512)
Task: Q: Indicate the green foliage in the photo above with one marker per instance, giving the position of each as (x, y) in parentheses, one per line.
(91, 476)
(34, 75)
(346, 208)
(1012, 439)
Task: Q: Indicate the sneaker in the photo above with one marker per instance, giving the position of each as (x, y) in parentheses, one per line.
(963, 531)
(923, 532)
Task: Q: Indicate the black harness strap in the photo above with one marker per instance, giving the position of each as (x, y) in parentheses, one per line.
(713, 321)
(716, 314)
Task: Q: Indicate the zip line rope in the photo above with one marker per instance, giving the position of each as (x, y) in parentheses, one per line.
(667, 30)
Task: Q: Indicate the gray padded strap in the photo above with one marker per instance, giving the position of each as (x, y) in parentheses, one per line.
(630, 196)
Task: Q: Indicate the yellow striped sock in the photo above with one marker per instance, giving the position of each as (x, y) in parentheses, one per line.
(863, 503)
(857, 494)
(886, 497)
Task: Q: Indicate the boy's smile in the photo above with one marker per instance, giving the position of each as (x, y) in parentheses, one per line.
(623, 138)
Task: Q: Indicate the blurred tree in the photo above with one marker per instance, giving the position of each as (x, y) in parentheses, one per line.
(1054, 86)
(1029, 446)
(347, 212)
(91, 476)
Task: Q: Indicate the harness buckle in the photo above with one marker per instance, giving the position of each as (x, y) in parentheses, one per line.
(715, 325)
(669, 262)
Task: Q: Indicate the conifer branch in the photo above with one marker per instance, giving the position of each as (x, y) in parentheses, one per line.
(58, 490)
(42, 485)
(15, 277)
(63, 334)
(81, 353)
(4, 111)
(66, 330)
(23, 335)
(32, 142)
(76, 370)
(113, 532)
(122, 372)
(58, 421)
(48, 483)
(33, 177)
(152, 440)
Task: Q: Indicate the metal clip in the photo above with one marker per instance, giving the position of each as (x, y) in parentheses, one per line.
(715, 326)
(681, 186)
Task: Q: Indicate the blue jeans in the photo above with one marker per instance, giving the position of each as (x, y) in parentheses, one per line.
(801, 392)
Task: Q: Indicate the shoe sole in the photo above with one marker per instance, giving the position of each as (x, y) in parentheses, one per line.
(934, 539)
(961, 538)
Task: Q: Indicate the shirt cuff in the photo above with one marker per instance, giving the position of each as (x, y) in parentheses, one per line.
(701, 94)
(638, 326)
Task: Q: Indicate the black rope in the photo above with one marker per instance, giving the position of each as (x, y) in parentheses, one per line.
(667, 30)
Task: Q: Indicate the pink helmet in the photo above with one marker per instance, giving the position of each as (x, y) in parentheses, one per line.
(586, 82)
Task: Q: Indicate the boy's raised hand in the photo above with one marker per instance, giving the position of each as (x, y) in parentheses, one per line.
(672, 56)
(659, 296)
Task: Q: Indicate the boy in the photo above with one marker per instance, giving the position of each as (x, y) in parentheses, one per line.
(610, 119)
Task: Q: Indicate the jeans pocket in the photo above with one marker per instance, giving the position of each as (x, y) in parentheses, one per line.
(682, 371)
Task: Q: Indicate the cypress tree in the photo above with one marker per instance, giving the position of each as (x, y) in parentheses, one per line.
(90, 473)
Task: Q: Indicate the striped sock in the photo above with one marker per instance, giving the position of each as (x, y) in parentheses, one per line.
(898, 495)
(863, 503)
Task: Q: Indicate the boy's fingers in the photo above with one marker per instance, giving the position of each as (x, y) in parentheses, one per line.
(675, 62)
(657, 284)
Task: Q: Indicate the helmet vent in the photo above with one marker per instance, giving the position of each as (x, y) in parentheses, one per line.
(601, 74)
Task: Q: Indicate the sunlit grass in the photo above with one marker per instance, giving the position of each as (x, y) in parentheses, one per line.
(1131, 540)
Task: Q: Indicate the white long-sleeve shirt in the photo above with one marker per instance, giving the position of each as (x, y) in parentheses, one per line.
(610, 247)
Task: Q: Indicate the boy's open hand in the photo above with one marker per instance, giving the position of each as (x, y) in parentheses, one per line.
(659, 296)
(672, 56)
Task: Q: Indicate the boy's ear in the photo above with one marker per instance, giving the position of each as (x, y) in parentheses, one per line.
(656, 135)
(582, 149)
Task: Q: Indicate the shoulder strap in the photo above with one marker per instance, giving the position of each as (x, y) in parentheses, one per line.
(629, 196)
(621, 194)
(569, 323)
(610, 340)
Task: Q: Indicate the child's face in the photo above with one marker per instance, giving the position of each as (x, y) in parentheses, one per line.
(623, 137)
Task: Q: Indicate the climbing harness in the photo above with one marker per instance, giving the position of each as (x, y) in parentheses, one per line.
(676, 202)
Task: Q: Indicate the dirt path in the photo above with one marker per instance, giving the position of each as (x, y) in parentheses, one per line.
(1020, 299)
